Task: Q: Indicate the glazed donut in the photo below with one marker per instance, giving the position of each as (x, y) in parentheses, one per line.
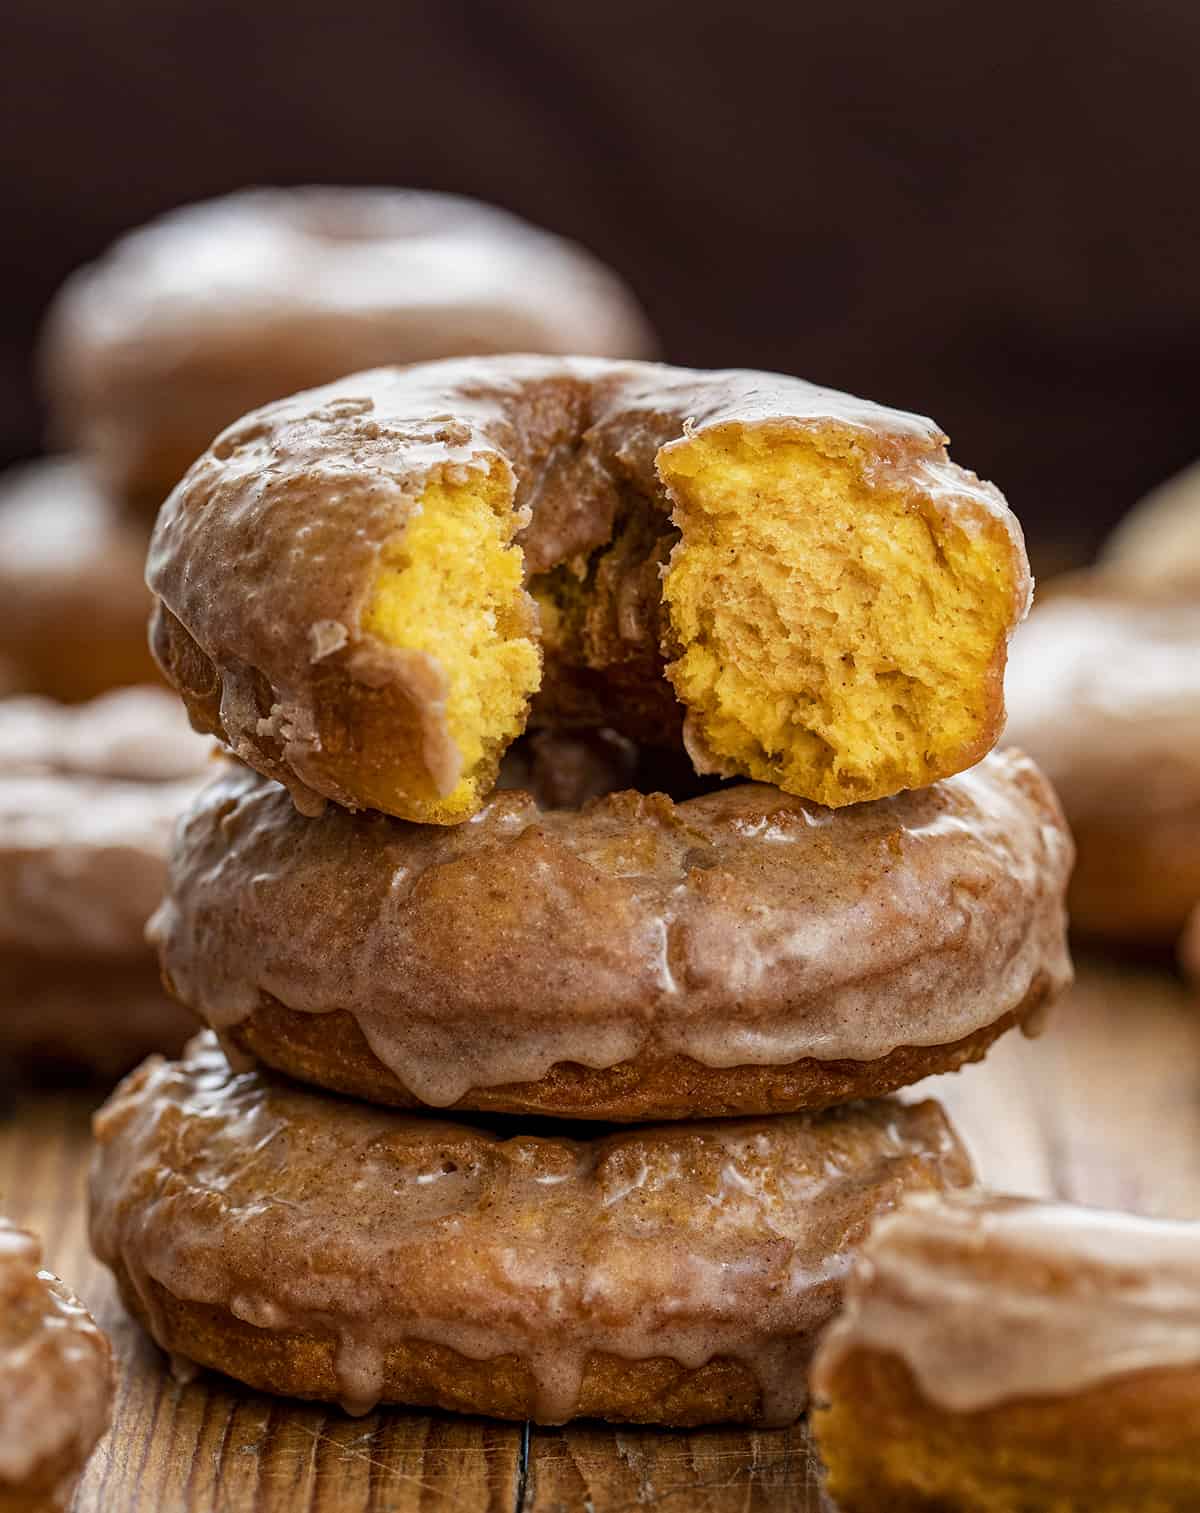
(73, 604)
(738, 953)
(1006, 1354)
(217, 308)
(674, 1275)
(88, 797)
(1104, 691)
(341, 581)
(56, 1381)
(1157, 545)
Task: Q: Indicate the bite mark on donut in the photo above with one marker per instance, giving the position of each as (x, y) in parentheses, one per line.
(832, 632)
(449, 588)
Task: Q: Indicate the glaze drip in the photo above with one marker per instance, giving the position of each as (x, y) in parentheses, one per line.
(691, 1242)
(743, 927)
(991, 1299)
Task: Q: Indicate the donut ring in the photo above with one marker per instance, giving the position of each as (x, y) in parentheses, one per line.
(740, 952)
(214, 309)
(673, 1275)
(56, 1381)
(1104, 690)
(73, 603)
(89, 795)
(1014, 1354)
(803, 579)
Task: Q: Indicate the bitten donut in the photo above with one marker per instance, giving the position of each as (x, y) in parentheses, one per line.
(214, 309)
(1157, 545)
(362, 589)
(1104, 690)
(73, 603)
(88, 797)
(675, 1275)
(1007, 1355)
(740, 952)
(56, 1381)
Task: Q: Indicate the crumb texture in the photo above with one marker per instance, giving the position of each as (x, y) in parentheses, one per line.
(834, 637)
(450, 587)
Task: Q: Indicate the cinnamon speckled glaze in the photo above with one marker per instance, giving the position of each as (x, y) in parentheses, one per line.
(300, 498)
(740, 952)
(324, 1248)
(56, 1381)
(205, 313)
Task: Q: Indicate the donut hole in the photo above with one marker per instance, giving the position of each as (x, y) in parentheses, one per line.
(831, 635)
(450, 587)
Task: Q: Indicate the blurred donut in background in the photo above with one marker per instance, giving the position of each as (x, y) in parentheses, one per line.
(1157, 545)
(88, 800)
(212, 310)
(1103, 690)
(73, 604)
(1189, 947)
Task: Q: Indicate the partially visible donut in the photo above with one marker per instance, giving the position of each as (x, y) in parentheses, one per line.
(1104, 691)
(323, 1248)
(73, 603)
(216, 308)
(1157, 545)
(1006, 1354)
(740, 952)
(800, 580)
(56, 1381)
(89, 795)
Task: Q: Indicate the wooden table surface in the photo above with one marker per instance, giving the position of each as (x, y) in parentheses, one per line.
(1104, 1108)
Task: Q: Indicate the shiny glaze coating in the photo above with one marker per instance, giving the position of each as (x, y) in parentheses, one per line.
(741, 929)
(56, 1380)
(991, 1299)
(325, 1248)
(265, 556)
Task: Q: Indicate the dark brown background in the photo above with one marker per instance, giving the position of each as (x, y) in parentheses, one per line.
(987, 212)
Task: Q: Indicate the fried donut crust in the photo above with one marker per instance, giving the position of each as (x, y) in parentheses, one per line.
(56, 1381)
(736, 952)
(1128, 1443)
(999, 1354)
(674, 1275)
(330, 1050)
(216, 308)
(798, 584)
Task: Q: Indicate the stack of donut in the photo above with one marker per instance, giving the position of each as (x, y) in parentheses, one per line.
(752, 867)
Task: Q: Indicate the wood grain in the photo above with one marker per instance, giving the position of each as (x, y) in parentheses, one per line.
(1104, 1108)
